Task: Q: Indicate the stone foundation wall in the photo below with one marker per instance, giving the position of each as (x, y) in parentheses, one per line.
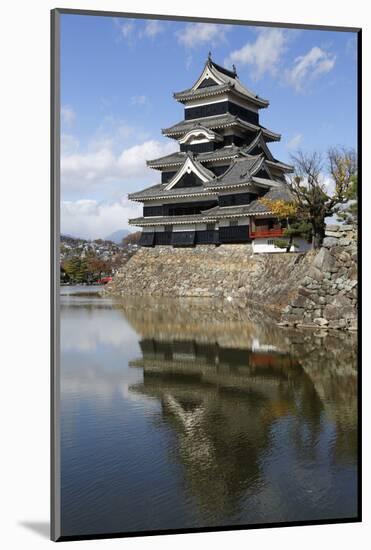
(230, 272)
(313, 289)
(202, 271)
(327, 295)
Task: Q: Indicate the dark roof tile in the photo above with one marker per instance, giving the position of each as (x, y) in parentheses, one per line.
(280, 192)
(179, 157)
(229, 81)
(219, 121)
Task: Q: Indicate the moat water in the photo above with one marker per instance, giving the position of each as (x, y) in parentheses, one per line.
(187, 414)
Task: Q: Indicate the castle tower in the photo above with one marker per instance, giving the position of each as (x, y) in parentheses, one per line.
(210, 187)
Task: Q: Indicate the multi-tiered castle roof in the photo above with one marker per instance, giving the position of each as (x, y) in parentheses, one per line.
(210, 187)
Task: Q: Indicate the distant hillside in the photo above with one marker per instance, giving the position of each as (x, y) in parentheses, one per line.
(117, 236)
(73, 241)
(87, 261)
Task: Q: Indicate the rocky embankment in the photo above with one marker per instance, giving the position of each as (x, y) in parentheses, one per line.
(327, 295)
(318, 288)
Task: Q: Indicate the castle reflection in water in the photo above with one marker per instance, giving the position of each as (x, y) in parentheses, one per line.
(190, 413)
(230, 386)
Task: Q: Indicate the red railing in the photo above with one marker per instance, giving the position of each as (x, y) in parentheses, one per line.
(104, 280)
(267, 233)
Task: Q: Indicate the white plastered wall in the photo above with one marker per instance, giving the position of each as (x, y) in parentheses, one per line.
(266, 246)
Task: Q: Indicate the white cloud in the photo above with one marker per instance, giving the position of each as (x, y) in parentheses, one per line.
(81, 170)
(132, 160)
(152, 28)
(294, 142)
(114, 133)
(87, 167)
(351, 47)
(196, 34)
(126, 29)
(131, 29)
(308, 67)
(69, 144)
(91, 219)
(264, 54)
(138, 100)
(67, 115)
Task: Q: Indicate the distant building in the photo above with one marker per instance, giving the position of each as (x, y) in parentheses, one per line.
(210, 188)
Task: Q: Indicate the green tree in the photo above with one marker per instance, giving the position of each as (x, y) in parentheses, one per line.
(76, 269)
(349, 214)
(313, 199)
(295, 227)
(63, 274)
(96, 268)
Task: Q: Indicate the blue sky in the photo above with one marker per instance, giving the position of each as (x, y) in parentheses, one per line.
(117, 80)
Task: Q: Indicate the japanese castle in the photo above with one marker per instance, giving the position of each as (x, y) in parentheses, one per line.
(210, 189)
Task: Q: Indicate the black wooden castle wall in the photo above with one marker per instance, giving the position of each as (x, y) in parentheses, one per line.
(231, 235)
(196, 207)
(213, 109)
(179, 209)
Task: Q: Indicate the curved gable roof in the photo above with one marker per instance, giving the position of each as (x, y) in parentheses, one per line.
(224, 78)
(191, 165)
(259, 142)
(199, 129)
(219, 121)
(240, 170)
